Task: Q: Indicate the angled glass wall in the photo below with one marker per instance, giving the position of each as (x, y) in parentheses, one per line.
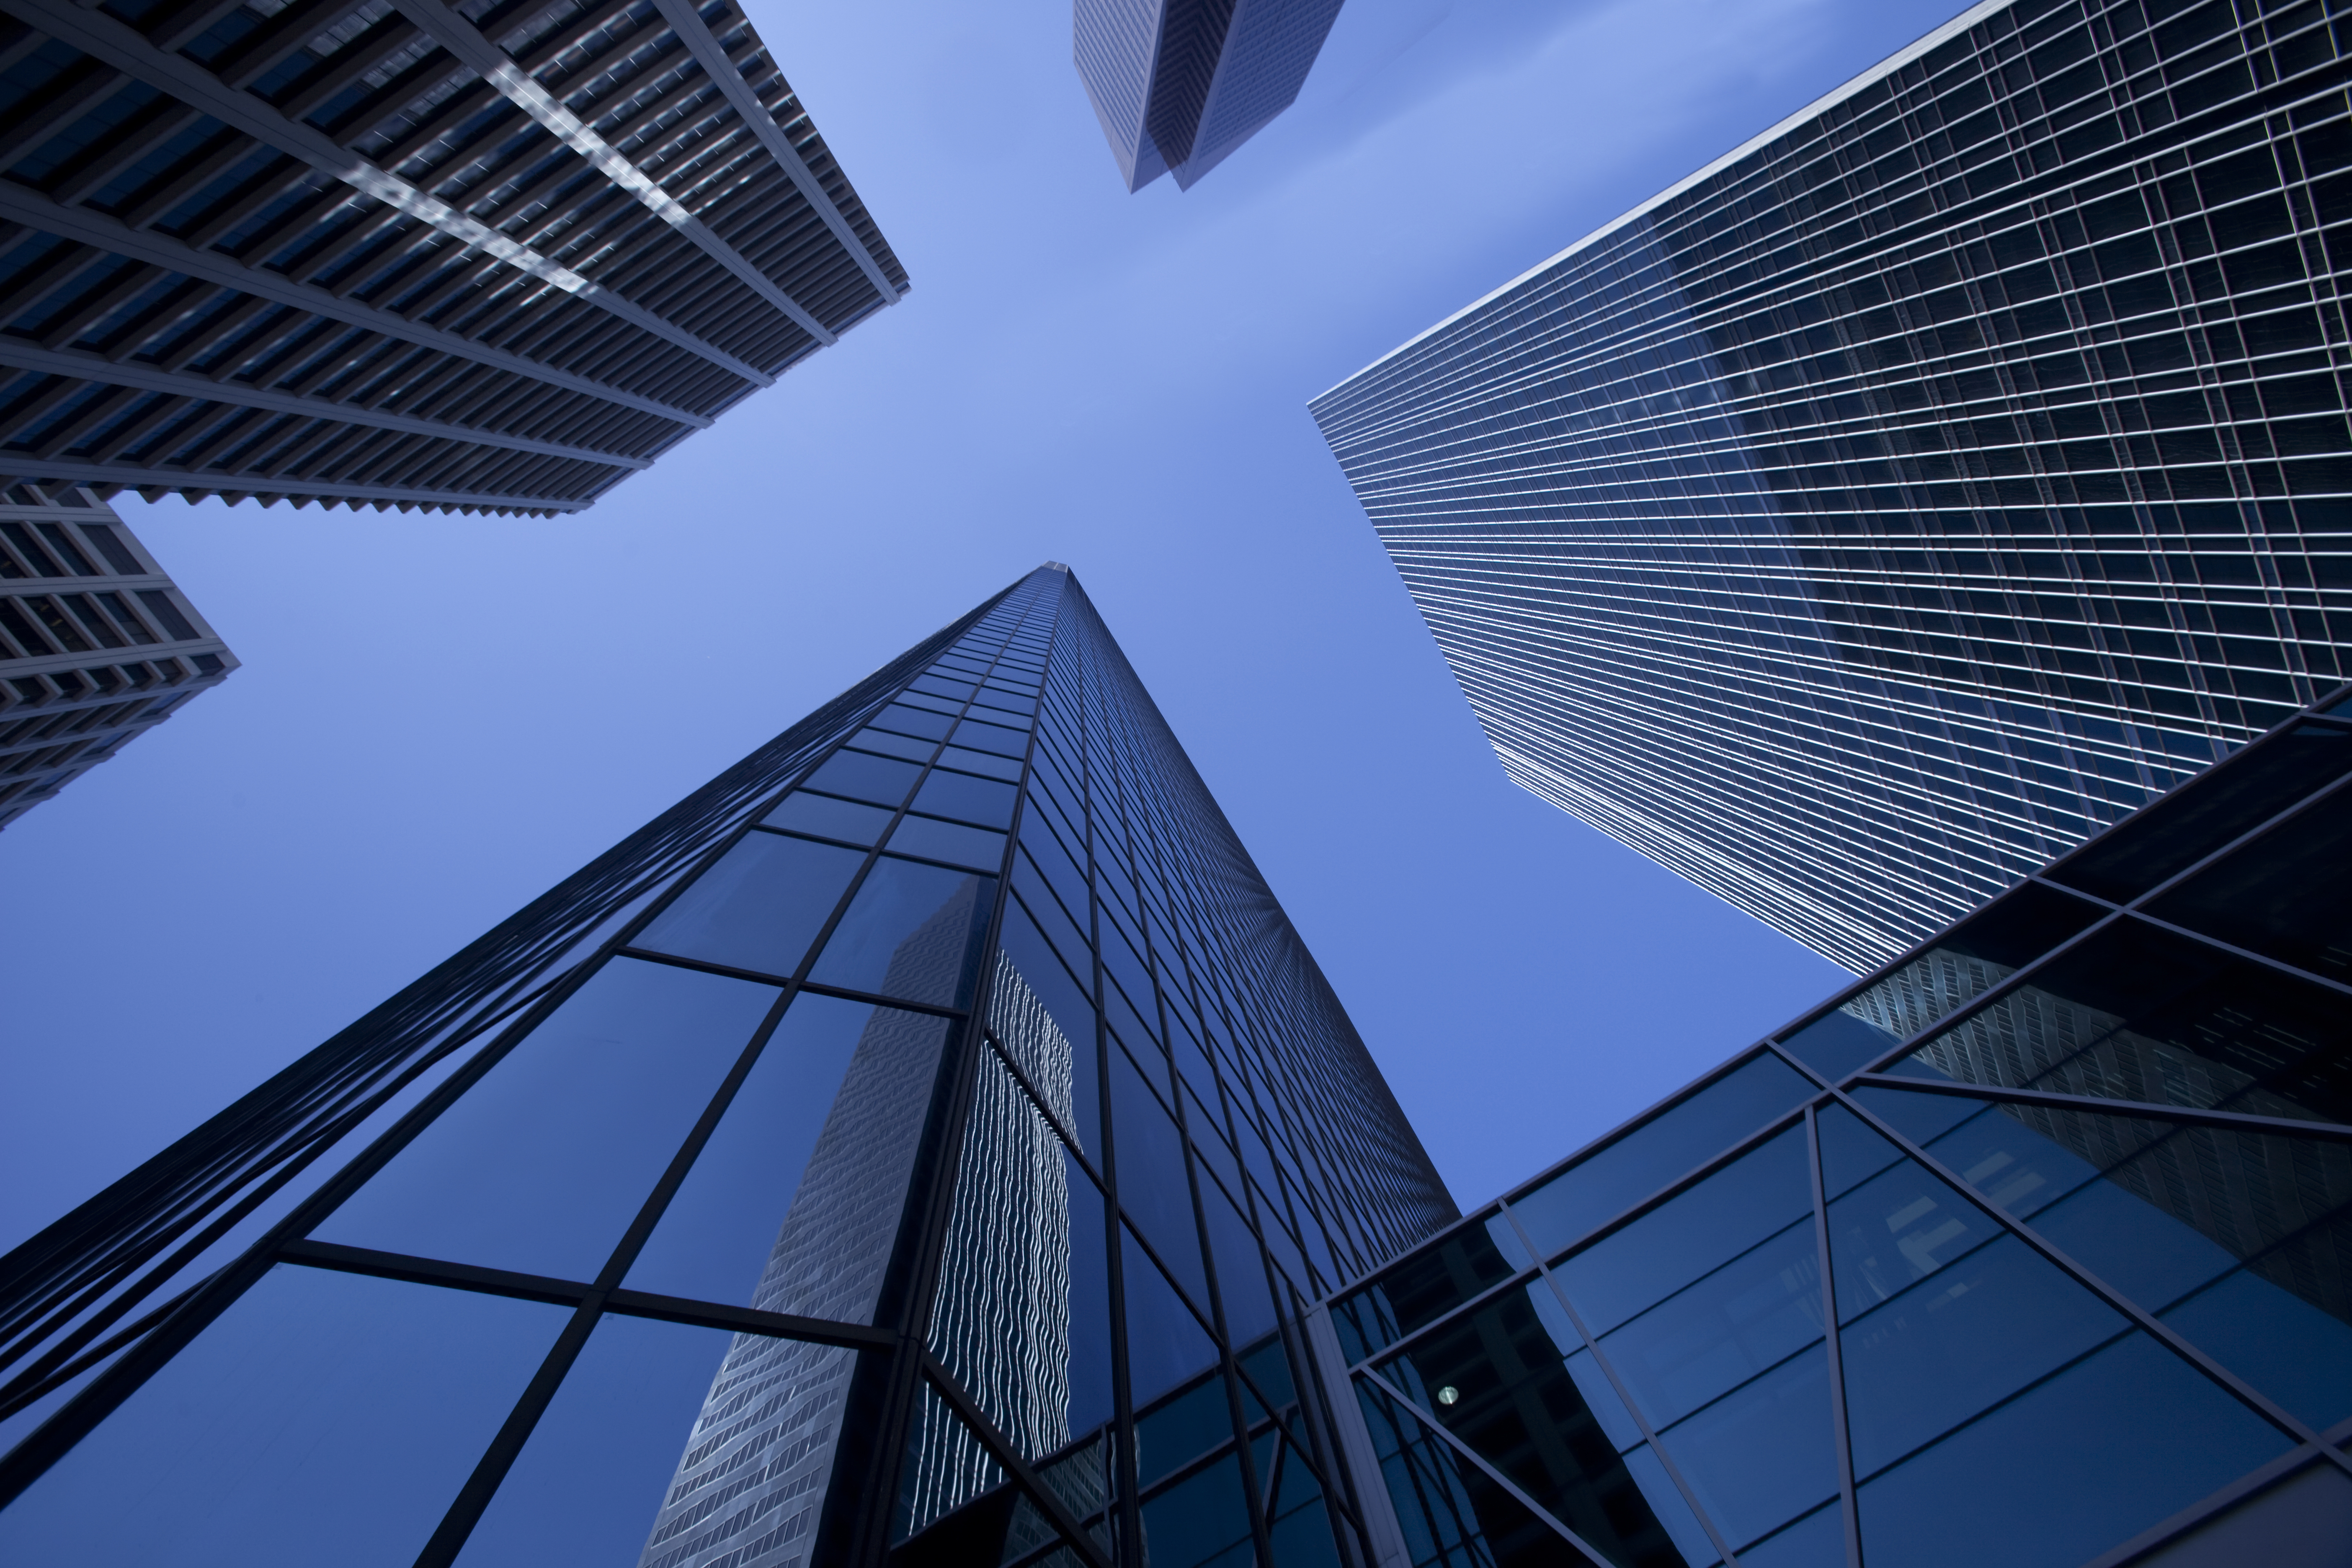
(2033, 1248)
(1870, 518)
(934, 1171)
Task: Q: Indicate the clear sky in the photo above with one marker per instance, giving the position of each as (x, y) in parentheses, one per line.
(438, 718)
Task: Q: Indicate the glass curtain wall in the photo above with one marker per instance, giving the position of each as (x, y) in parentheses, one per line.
(2034, 1248)
(935, 1174)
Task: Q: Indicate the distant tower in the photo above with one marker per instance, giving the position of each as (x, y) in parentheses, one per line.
(1179, 84)
(97, 645)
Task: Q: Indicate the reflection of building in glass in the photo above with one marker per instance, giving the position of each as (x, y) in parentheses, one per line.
(1878, 512)
(764, 1443)
(1180, 84)
(97, 645)
(2089, 1247)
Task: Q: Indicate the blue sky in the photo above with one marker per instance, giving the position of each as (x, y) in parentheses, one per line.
(438, 718)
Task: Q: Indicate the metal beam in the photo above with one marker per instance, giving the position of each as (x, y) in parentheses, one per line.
(151, 378)
(463, 39)
(123, 48)
(270, 485)
(688, 24)
(85, 226)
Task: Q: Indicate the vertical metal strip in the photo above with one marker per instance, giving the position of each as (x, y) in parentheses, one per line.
(1847, 1503)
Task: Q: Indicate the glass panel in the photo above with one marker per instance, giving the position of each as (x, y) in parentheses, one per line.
(1606, 1183)
(1762, 1454)
(1600, 1397)
(1976, 1333)
(912, 931)
(1173, 1433)
(982, 736)
(1710, 1337)
(2080, 1464)
(1049, 1030)
(884, 781)
(319, 1407)
(1240, 1268)
(2179, 830)
(1267, 1369)
(1837, 1043)
(788, 1215)
(1165, 1344)
(1979, 953)
(919, 722)
(2285, 894)
(951, 841)
(1901, 1225)
(987, 763)
(1420, 1290)
(1816, 1540)
(588, 1485)
(542, 1165)
(910, 747)
(2159, 1212)
(1496, 1377)
(1003, 1323)
(2139, 1014)
(1150, 1182)
(1202, 1521)
(968, 799)
(1300, 1521)
(719, 1230)
(947, 1471)
(1851, 1152)
(759, 907)
(1690, 1233)
(830, 818)
(1673, 1509)
(1453, 1512)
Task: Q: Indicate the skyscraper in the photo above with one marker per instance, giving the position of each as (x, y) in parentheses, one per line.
(1920, 487)
(2033, 1248)
(1179, 84)
(97, 645)
(921, 1144)
(492, 256)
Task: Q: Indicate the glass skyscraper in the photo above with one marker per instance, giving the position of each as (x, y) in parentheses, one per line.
(921, 1145)
(1921, 487)
(1178, 85)
(2033, 1248)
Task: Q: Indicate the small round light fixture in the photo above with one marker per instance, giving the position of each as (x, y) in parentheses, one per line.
(1448, 1394)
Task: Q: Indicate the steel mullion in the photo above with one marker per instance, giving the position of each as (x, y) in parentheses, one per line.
(1464, 1451)
(2145, 1322)
(1849, 1508)
(2193, 1116)
(2249, 955)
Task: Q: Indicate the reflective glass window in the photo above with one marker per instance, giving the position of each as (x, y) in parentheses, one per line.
(1419, 1289)
(794, 1202)
(1838, 1043)
(716, 1235)
(319, 1407)
(1816, 1540)
(542, 1165)
(759, 907)
(1182, 1427)
(1151, 1183)
(827, 817)
(591, 1484)
(1690, 1234)
(919, 721)
(912, 931)
(1762, 1454)
(1497, 1378)
(986, 802)
(1297, 1520)
(2285, 894)
(928, 836)
(1723, 1328)
(1899, 1227)
(953, 1500)
(884, 781)
(1165, 1344)
(1606, 1182)
(2091, 1458)
(1961, 964)
(2181, 829)
(987, 763)
(1451, 1511)
(982, 736)
(889, 742)
(1048, 1028)
(1240, 1268)
(1202, 1521)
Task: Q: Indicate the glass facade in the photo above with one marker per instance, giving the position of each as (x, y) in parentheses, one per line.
(1920, 488)
(2034, 1248)
(920, 1147)
(1178, 85)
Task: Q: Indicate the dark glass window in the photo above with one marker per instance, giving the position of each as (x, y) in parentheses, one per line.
(1606, 1182)
(542, 1165)
(976, 847)
(826, 818)
(912, 931)
(2286, 894)
(759, 907)
(884, 781)
(1422, 1288)
(1165, 1344)
(1151, 1183)
(1043, 1021)
(966, 798)
(1456, 1507)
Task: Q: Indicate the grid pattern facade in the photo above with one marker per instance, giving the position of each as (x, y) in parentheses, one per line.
(495, 256)
(1180, 84)
(97, 645)
(922, 1146)
(2034, 1248)
(1922, 486)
